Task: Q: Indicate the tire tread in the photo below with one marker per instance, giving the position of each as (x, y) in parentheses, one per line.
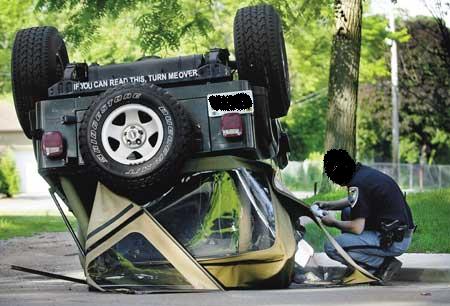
(30, 70)
(165, 175)
(257, 39)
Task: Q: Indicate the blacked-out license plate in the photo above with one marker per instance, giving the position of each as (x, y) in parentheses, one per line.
(230, 102)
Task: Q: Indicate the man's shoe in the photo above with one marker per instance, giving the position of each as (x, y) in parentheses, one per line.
(339, 276)
(388, 269)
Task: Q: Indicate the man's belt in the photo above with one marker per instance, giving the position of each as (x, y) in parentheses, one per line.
(393, 231)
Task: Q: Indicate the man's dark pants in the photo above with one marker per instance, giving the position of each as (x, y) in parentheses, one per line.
(365, 248)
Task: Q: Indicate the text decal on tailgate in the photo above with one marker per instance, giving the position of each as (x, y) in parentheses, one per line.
(230, 102)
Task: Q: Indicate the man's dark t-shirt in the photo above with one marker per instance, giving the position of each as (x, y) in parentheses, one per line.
(375, 196)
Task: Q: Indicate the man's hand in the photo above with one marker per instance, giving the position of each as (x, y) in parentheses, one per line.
(328, 220)
(321, 204)
(333, 205)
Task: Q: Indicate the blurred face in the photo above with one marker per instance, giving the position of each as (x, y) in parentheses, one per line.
(339, 166)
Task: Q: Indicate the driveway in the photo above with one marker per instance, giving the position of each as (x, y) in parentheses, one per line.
(57, 253)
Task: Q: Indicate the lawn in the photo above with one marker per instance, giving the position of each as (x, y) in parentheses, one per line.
(431, 211)
(14, 226)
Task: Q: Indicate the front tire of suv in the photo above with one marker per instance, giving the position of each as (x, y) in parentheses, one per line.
(135, 138)
(39, 57)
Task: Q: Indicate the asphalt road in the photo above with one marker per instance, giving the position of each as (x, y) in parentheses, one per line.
(36, 291)
(56, 253)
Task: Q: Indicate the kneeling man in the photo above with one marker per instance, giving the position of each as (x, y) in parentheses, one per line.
(376, 222)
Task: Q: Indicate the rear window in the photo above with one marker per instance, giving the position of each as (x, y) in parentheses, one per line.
(215, 214)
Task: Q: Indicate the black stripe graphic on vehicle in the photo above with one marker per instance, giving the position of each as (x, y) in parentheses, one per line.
(114, 219)
(114, 231)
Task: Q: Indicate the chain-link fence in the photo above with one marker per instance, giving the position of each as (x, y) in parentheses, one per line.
(301, 176)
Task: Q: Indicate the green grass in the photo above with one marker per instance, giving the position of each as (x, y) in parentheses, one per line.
(22, 226)
(6, 98)
(431, 211)
(316, 238)
(335, 195)
(314, 235)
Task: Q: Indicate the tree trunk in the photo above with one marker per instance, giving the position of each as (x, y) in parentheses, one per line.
(343, 82)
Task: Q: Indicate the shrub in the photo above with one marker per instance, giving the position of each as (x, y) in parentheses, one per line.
(9, 177)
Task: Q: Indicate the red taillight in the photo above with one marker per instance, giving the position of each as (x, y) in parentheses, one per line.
(231, 125)
(53, 144)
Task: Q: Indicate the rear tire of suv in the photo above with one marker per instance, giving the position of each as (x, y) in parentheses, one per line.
(39, 57)
(135, 138)
(261, 54)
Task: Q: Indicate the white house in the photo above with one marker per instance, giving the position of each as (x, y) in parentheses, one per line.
(11, 136)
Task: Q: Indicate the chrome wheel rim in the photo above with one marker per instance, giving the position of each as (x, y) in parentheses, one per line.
(132, 134)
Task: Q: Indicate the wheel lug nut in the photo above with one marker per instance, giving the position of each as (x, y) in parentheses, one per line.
(138, 141)
(141, 132)
(129, 142)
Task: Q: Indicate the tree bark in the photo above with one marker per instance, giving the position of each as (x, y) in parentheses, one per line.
(343, 82)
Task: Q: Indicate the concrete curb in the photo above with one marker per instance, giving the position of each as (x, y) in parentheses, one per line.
(424, 275)
(429, 275)
(417, 267)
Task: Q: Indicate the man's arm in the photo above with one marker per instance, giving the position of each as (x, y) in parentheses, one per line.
(354, 226)
(333, 205)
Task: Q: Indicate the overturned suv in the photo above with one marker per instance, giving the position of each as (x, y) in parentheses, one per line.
(178, 142)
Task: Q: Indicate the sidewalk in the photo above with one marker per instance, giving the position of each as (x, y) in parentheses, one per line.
(416, 267)
(303, 194)
(30, 204)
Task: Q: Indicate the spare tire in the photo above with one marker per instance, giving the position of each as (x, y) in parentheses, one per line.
(39, 57)
(136, 137)
(261, 54)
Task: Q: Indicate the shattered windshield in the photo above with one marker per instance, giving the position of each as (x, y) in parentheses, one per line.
(212, 214)
(216, 214)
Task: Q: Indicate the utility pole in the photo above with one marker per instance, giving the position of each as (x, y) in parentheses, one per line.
(395, 99)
